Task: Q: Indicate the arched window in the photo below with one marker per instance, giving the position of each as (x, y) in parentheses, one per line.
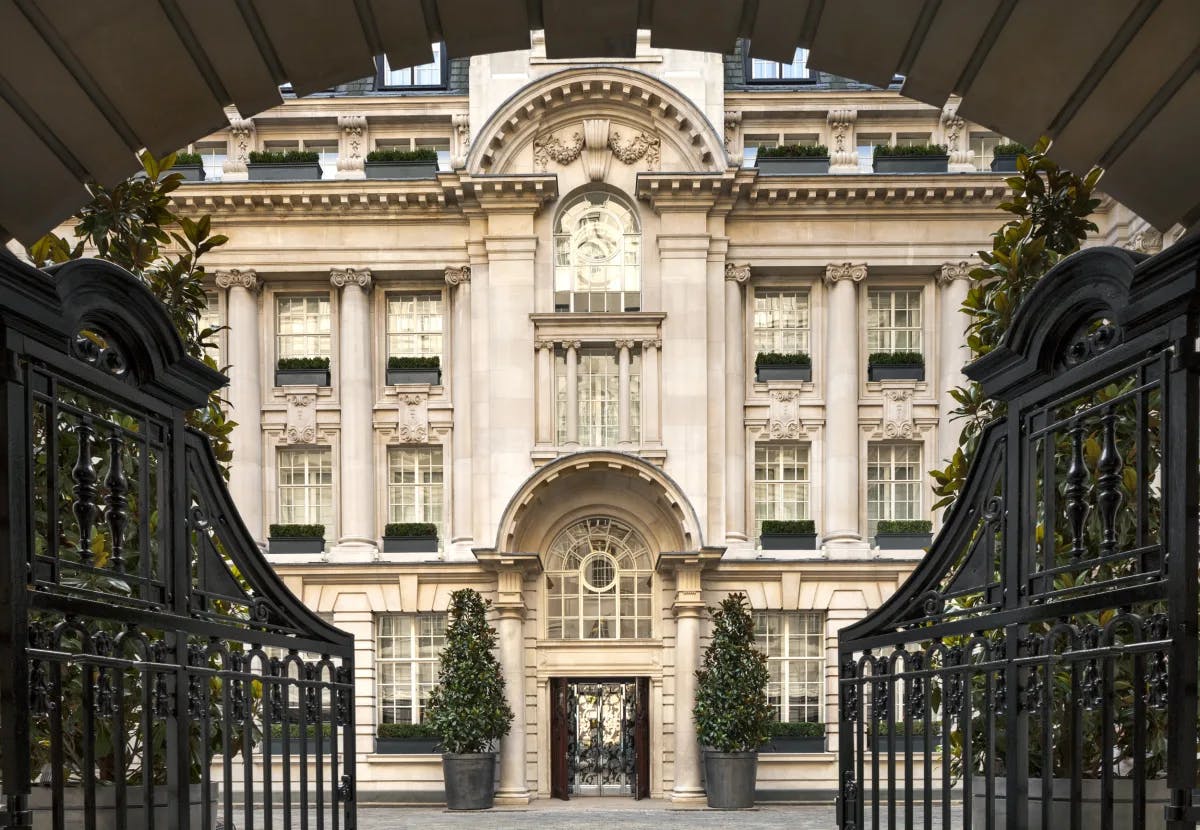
(598, 574)
(597, 255)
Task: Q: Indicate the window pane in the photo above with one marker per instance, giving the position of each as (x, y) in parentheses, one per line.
(302, 326)
(306, 486)
(414, 325)
(427, 74)
(415, 485)
(597, 255)
(407, 656)
(598, 578)
(793, 642)
(894, 321)
(781, 321)
(894, 477)
(781, 483)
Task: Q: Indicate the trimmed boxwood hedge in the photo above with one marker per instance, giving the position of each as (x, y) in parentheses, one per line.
(406, 730)
(896, 359)
(423, 154)
(1010, 149)
(310, 730)
(298, 531)
(913, 150)
(187, 158)
(414, 363)
(302, 364)
(794, 151)
(796, 526)
(780, 359)
(284, 157)
(410, 529)
(881, 729)
(886, 526)
(802, 729)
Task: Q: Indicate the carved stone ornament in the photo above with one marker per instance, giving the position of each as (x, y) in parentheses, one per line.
(954, 136)
(596, 156)
(245, 278)
(952, 271)
(737, 273)
(353, 141)
(413, 424)
(785, 420)
(898, 414)
(640, 146)
(241, 142)
(549, 148)
(339, 277)
(548, 345)
(301, 419)
(1145, 241)
(462, 139)
(835, 271)
(842, 151)
(733, 125)
(457, 274)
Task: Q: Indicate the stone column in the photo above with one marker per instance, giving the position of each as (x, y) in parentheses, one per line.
(651, 394)
(245, 396)
(687, 607)
(955, 282)
(458, 280)
(572, 347)
(623, 398)
(842, 382)
(736, 276)
(510, 628)
(546, 400)
(356, 390)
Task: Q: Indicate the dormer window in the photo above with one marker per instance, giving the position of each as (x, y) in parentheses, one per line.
(597, 255)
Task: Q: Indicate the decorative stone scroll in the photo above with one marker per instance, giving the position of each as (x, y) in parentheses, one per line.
(835, 271)
(339, 277)
(241, 142)
(246, 278)
(413, 422)
(640, 146)
(737, 273)
(952, 271)
(1145, 241)
(352, 141)
(954, 136)
(301, 419)
(596, 144)
(898, 414)
(461, 122)
(785, 420)
(457, 274)
(733, 133)
(843, 152)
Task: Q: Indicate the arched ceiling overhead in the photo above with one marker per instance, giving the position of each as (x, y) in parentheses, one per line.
(82, 85)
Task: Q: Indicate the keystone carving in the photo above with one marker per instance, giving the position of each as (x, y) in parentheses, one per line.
(245, 278)
(835, 271)
(301, 420)
(413, 425)
(361, 277)
(457, 274)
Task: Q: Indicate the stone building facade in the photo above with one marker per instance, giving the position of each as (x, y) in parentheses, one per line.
(596, 266)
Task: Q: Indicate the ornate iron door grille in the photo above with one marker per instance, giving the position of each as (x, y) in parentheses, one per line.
(156, 670)
(1044, 654)
(600, 737)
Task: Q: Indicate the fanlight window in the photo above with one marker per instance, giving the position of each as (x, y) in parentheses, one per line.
(597, 256)
(598, 576)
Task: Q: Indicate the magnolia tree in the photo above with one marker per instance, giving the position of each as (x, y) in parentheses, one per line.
(732, 712)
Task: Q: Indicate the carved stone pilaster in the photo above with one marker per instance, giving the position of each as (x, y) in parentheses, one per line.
(301, 419)
(843, 150)
(954, 136)
(737, 273)
(785, 420)
(457, 274)
(352, 146)
(461, 123)
(733, 134)
(954, 271)
(244, 278)
(835, 271)
(1145, 241)
(241, 142)
(412, 425)
(340, 277)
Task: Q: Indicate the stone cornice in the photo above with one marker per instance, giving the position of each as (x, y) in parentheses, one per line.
(691, 191)
(871, 190)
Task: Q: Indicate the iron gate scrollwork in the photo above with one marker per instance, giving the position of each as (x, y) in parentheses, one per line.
(600, 737)
(1039, 668)
(156, 670)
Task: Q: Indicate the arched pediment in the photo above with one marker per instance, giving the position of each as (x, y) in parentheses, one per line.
(597, 116)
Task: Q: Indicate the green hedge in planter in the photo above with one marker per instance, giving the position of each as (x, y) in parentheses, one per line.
(917, 728)
(891, 151)
(414, 363)
(302, 364)
(423, 154)
(404, 731)
(896, 359)
(310, 731)
(298, 531)
(794, 526)
(410, 529)
(781, 359)
(284, 157)
(1010, 149)
(187, 158)
(801, 729)
(887, 526)
(794, 151)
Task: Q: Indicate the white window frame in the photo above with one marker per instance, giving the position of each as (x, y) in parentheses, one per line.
(320, 336)
(426, 325)
(766, 71)
(422, 76)
(571, 264)
(782, 482)
(809, 628)
(430, 627)
(423, 498)
(597, 416)
(770, 315)
(317, 460)
(889, 337)
(889, 497)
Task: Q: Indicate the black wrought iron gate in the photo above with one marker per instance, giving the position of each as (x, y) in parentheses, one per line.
(154, 671)
(1039, 669)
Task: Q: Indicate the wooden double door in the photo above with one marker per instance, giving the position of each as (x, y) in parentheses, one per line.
(600, 737)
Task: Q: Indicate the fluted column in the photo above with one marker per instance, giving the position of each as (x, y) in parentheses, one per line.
(623, 397)
(736, 276)
(955, 282)
(842, 383)
(458, 278)
(245, 395)
(572, 347)
(357, 392)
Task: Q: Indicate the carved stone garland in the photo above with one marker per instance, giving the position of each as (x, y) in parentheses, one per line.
(596, 141)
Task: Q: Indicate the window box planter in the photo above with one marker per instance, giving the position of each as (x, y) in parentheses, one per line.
(269, 172)
(791, 166)
(793, 371)
(309, 746)
(1004, 164)
(190, 172)
(903, 534)
(400, 377)
(791, 744)
(788, 541)
(410, 537)
(912, 164)
(407, 746)
(917, 743)
(401, 169)
(897, 371)
(302, 371)
(297, 539)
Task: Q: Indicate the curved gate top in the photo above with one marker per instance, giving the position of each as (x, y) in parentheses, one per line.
(1039, 668)
(156, 671)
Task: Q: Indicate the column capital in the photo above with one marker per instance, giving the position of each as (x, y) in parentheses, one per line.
(624, 344)
(856, 272)
(546, 345)
(952, 271)
(737, 273)
(652, 344)
(572, 344)
(340, 277)
(245, 277)
(457, 274)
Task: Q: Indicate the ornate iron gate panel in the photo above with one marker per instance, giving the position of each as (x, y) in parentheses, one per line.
(600, 737)
(156, 670)
(1039, 668)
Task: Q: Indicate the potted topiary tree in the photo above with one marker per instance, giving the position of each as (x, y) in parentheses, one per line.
(302, 371)
(896, 366)
(402, 164)
(297, 539)
(1004, 157)
(733, 717)
(410, 537)
(903, 534)
(912, 158)
(282, 166)
(793, 160)
(402, 370)
(797, 534)
(467, 708)
(776, 366)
